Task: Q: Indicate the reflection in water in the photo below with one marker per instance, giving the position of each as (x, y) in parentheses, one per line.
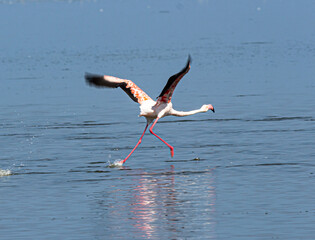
(162, 205)
(148, 200)
(143, 208)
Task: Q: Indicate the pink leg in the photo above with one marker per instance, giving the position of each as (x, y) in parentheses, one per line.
(123, 161)
(151, 131)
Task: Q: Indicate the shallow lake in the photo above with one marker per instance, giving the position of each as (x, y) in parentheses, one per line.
(244, 172)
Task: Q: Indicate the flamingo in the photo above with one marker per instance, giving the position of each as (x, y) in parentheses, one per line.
(150, 109)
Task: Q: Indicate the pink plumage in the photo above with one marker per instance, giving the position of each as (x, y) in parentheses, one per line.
(150, 109)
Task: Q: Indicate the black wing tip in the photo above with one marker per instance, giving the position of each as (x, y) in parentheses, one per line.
(186, 68)
(93, 79)
(88, 75)
(179, 75)
(189, 58)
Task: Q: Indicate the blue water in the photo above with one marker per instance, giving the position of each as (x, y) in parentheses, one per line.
(245, 172)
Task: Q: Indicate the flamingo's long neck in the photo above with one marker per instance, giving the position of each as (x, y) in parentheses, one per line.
(183, 114)
(204, 108)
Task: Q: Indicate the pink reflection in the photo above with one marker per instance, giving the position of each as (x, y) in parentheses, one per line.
(158, 204)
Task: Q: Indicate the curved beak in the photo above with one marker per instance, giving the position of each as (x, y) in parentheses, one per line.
(211, 108)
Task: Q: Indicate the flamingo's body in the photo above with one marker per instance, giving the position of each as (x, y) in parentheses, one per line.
(150, 109)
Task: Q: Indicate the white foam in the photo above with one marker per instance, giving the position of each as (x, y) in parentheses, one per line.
(6, 172)
(116, 163)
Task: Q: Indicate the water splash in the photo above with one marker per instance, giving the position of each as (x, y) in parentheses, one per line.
(6, 172)
(116, 163)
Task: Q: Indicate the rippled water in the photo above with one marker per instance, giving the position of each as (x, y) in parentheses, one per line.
(245, 172)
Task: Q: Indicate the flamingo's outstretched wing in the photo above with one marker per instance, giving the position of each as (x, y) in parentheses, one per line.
(133, 91)
(169, 88)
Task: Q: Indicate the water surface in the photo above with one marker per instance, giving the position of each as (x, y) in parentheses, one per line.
(245, 172)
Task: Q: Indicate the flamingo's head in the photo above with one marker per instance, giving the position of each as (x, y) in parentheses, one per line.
(207, 107)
